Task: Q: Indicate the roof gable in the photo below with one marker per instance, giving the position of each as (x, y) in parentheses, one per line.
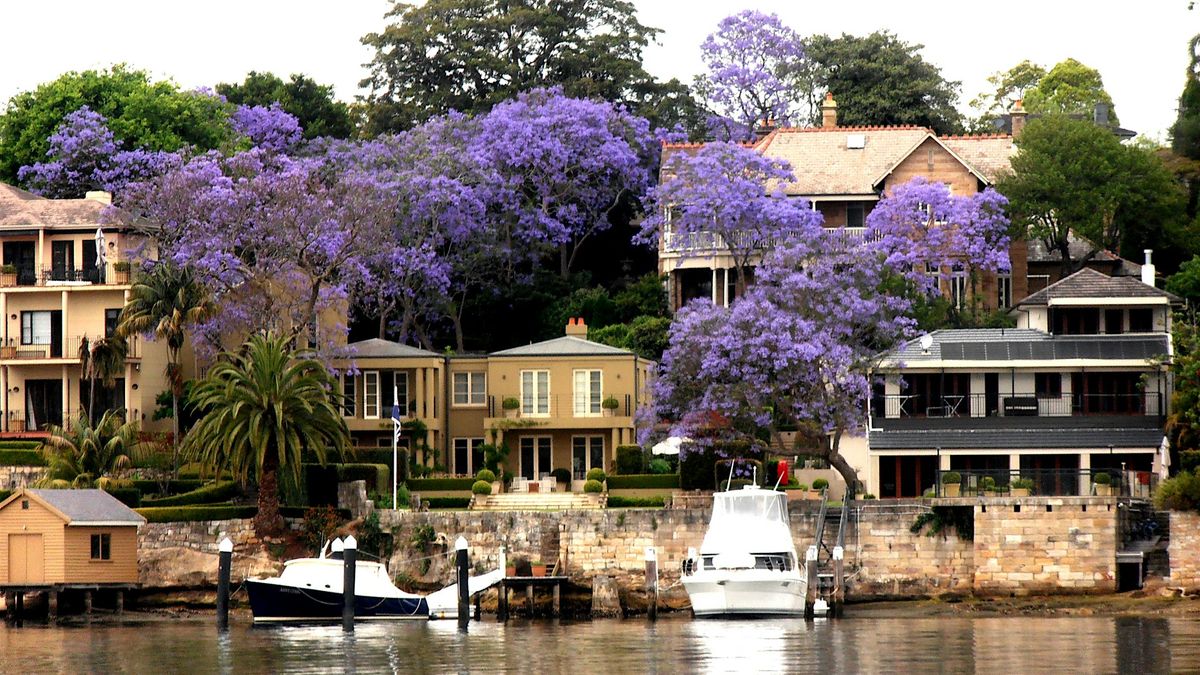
(1090, 283)
(84, 507)
(900, 160)
(567, 345)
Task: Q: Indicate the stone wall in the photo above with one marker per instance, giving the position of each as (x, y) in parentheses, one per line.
(1185, 549)
(201, 535)
(13, 477)
(893, 561)
(1046, 545)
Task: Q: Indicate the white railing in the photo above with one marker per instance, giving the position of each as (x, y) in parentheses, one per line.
(674, 242)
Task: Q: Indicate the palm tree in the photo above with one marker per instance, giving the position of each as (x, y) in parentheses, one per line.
(165, 301)
(86, 455)
(261, 410)
(103, 360)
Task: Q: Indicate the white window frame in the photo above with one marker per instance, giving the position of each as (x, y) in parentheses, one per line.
(371, 403)
(470, 378)
(400, 382)
(29, 335)
(472, 442)
(1003, 291)
(587, 454)
(958, 289)
(349, 402)
(535, 398)
(587, 402)
(536, 441)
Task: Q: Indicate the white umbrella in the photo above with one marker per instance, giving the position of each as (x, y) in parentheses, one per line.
(100, 253)
(670, 446)
(1164, 459)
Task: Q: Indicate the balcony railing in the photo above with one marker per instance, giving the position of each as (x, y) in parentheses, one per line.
(1046, 483)
(1015, 405)
(557, 406)
(69, 349)
(49, 276)
(674, 242)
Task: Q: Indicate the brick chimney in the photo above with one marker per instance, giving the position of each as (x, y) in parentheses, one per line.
(1017, 115)
(576, 327)
(764, 128)
(828, 111)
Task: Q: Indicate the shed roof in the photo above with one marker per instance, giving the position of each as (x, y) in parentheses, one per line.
(567, 345)
(86, 507)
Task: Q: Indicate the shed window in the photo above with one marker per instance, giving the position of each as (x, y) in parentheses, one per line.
(101, 547)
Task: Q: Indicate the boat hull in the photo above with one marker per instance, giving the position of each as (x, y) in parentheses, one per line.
(276, 603)
(729, 596)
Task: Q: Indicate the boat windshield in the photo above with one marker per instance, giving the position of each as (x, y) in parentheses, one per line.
(757, 504)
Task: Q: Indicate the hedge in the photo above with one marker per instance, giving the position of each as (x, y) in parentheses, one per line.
(187, 514)
(1189, 460)
(131, 497)
(208, 494)
(174, 487)
(20, 445)
(645, 480)
(378, 474)
(430, 484)
(447, 502)
(630, 459)
(21, 457)
(696, 467)
(615, 502)
(5, 494)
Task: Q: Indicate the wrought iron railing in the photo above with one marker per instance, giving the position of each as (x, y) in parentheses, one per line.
(1045, 482)
(1027, 404)
(554, 405)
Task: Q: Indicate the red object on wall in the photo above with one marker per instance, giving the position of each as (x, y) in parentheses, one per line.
(782, 470)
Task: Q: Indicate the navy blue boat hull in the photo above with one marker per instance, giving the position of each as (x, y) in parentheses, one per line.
(273, 602)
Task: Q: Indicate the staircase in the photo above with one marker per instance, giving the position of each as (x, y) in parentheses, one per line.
(537, 501)
(831, 533)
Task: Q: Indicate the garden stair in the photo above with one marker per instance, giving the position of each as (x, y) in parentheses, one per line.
(537, 501)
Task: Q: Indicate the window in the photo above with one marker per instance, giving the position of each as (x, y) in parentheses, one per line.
(535, 392)
(371, 395)
(348, 402)
(111, 317)
(958, 288)
(35, 328)
(1113, 321)
(470, 389)
(102, 546)
(468, 455)
(588, 385)
(854, 215)
(1048, 385)
(535, 456)
(1004, 291)
(587, 452)
(1141, 320)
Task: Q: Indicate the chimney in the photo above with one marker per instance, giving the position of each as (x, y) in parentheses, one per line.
(576, 327)
(1100, 115)
(764, 128)
(828, 111)
(1148, 272)
(99, 196)
(1017, 116)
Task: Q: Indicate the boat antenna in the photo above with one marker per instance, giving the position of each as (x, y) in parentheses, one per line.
(729, 482)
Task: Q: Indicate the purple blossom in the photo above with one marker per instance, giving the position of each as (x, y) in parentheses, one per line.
(269, 128)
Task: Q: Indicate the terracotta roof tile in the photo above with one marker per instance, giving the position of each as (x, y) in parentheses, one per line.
(19, 208)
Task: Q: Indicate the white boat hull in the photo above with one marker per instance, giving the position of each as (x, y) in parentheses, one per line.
(716, 594)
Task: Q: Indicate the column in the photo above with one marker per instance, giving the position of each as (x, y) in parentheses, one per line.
(714, 286)
(943, 462)
(4, 403)
(1014, 462)
(612, 452)
(419, 375)
(439, 378)
(38, 255)
(1085, 473)
(133, 412)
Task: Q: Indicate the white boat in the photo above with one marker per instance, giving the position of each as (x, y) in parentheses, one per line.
(310, 589)
(747, 563)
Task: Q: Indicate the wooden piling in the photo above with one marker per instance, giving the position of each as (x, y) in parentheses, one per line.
(349, 557)
(52, 606)
(224, 568)
(810, 593)
(462, 560)
(839, 581)
(651, 584)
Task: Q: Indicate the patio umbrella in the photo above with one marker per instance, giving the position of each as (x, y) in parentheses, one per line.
(1164, 459)
(100, 253)
(670, 446)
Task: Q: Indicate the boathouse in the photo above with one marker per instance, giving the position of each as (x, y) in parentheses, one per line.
(62, 539)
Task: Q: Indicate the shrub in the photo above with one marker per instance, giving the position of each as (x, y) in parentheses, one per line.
(482, 487)
(596, 475)
(187, 514)
(485, 475)
(610, 403)
(403, 496)
(563, 476)
(129, 496)
(121, 266)
(630, 459)
(320, 522)
(1189, 460)
(615, 502)
(1102, 479)
(1023, 483)
(511, 403)
(868, 496)
(803, 487)
(820, 484)
(643, 481)
(209, 494)
(448, 502)
(8, 269)
(987, 483)
(173, 487)
(431, 484)
(20, 445)
(659, 466)
(697, 464)
(951, 477)
(21, 457)
(377, 475)
(5, 494)
(593, 486)
(1179, 493)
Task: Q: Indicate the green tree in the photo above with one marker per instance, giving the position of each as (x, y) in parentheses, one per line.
(102, 359)
(1183, 424)
(83, 455)
(311, 103)
(1008, 87)
(1073, 176)
(166, 301)
(1070, 88)
(468, 55)
(1186, 281)
(140, 112)
(1185, 132)
(880, 79)
(262, 410)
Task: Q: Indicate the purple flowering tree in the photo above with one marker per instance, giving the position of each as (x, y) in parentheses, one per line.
(729, 197)
(752, 60)
(269, 128)
(563, 164)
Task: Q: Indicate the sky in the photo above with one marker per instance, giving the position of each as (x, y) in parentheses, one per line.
(1140, 49)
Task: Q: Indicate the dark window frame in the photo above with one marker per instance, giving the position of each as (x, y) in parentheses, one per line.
(101, 546)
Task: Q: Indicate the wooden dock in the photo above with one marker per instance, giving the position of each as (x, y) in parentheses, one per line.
(517, 583)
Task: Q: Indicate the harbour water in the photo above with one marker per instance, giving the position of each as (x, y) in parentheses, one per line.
(672, 645)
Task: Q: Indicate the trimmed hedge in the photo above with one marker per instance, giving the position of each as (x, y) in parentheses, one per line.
(447, 502)
(21, 457)
(645, 480)
(174, 487)
(697, 466)
(187, 514)
(615, 502)
(378, 474)
(430, 484)
(208, 494)
(131, 497)
(5, 494)
(20, 445)
(630, 459)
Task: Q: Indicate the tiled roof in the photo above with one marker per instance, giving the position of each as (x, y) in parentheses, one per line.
(911, 351)
(85, 507)
(1078, 247)
(1018, 433)
(19, 208)
(385, 349)
(1089, 283)
(990, 155)
(568, 345)
(1024, 344)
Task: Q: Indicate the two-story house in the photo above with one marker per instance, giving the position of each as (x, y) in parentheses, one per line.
(1081, 385)
(61, 286)
(844, 172)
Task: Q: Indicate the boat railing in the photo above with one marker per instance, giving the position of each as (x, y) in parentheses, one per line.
(842, 523)
(820, 535)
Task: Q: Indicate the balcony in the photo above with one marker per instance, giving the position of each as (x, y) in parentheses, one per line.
(68, 349)
(560, 409)
(1027, 404)
(1030, 482)
(61, 276)
(692, 242)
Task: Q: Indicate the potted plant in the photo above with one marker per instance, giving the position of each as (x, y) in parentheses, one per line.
(797, 492)
(488, 476)
(610, 406)
(121, 272)
(512, 406)
(1022, 487)
(988, 484)
(951, 484)
(820, 485)
(1103, 483)
(510, 569)
(537, 568)
(562, 479)
(8, 275)
(481, 488)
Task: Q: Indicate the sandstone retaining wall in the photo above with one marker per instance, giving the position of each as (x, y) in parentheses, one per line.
(13, 477)
(1184, 549)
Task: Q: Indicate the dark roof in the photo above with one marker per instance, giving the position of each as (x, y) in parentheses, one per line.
(1017, 433)
(1038, 252)
(385, 349)
(567, 345)
(1088, 283)
(1003, 124)
(89, 507)
(1025, 344)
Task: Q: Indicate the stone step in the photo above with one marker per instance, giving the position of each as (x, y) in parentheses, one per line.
(534, 501)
